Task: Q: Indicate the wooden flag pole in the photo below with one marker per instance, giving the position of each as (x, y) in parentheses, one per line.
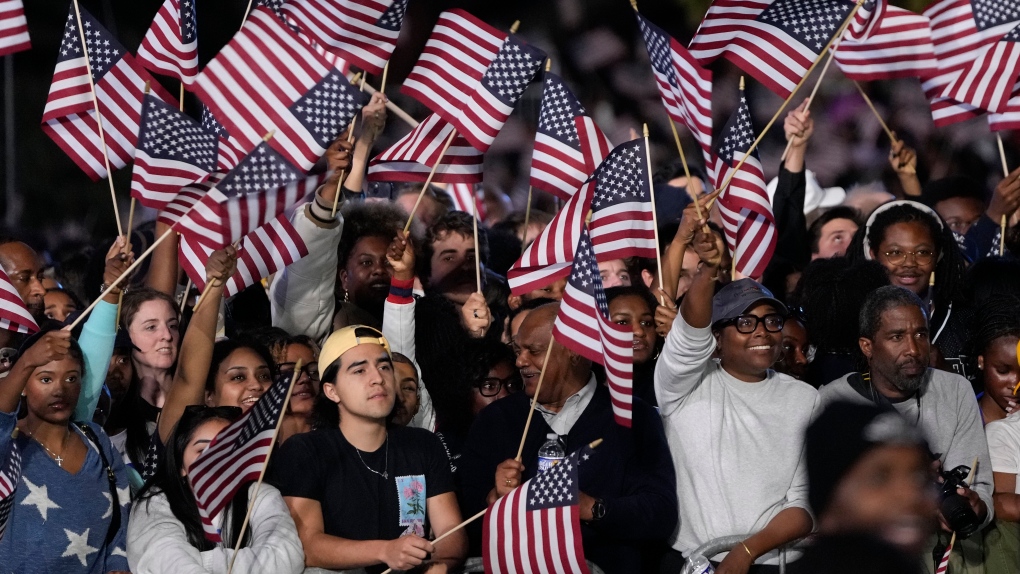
(127, 249)
(265, 465)
(118, 281)
(350, 138)
(786, 102)
(184, 299)
(428, 180)
(651, 194)
(1002, 221)
(534, 399)
(99, 117)
(397, 111)
(593, 444)
(527, 217)
(385, 72)
(1002, 155)
(878, 116)
(478, 252)
(181, 99)
(691, 191)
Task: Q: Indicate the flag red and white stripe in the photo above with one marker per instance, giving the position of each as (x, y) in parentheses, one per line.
(13, 27)
(595, 146)
(557, 163)
(1009, 119)
(13, 314)
(944, 563)
(548, 258)
(263, 252)
(466, 199)
(363, 32)
(536, 527)
(270, 78)
(451, 66)
(69, 117)
(988, 81)
(412, 157)
(583, 326)
(237, 455)
(898, 45)
(186, 198)
(170, 46)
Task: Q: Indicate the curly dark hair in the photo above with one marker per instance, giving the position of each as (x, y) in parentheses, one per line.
(830, 294)
(452, 222)
(367, 220)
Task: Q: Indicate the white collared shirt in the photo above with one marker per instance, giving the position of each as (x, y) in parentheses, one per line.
(561, 422)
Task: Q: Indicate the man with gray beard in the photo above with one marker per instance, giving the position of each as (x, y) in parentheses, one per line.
(894, 339)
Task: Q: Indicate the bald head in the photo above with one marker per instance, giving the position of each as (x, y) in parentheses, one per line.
(24, 267)
(565, 372)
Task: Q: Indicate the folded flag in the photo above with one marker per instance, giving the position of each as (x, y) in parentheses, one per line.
(13, 314)
(170, 46)
(13, 27)
(414, 155)
(363, 32)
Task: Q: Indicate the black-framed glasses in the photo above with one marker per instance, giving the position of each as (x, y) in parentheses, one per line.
(747, 324)
(490, 386)
(310, 369)
(898, 257)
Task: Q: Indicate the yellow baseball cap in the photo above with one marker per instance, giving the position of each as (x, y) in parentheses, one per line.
(346, 339)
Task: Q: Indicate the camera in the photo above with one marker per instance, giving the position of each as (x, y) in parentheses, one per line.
(955, 508)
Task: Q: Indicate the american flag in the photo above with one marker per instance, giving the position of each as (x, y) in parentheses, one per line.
(485, 111)
(453, 62)
(363, 32)
(601, 340)
(236, 455)
(13, 27)
(684, 86)
(1008, 119)
(466, 198)
(989, 80)
(960, 30)
(263, 252)
(230, 152)
(898, 45)
(268, 77)
(69, 117)
(943, 566)
(10, 475)
(170, 46)
(549, 256)
(412, 158)
(774, 41)
(595, 146)
(536, 526)
(557, 164)
(173, 151)
(622, 223)
(746, 211)
(13, 314)
(252, 194)
(187, 197)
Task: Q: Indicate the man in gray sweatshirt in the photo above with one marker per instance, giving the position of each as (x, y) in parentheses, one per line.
(895, 341)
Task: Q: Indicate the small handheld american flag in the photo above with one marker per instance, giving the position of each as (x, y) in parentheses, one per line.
(364, 32)
(622, 222)
(13, 314)
(557, 164)
(238, 454)
(13, 27)
(414, 155)
(536, 526)
(10, 474)
(171, 45)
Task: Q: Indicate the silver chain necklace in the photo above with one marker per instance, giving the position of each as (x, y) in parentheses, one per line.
(56, 457)
(386, 470)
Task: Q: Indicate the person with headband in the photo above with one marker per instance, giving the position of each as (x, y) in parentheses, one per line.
(368, 492)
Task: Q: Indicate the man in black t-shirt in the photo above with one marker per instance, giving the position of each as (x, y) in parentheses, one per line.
(364, 495)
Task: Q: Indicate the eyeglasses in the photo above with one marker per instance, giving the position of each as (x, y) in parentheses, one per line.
(310, 369)
(747, 324)
(921, 256)
(490, 386)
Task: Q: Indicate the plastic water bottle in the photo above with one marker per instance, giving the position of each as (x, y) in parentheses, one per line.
(551, 453)
(698, 564)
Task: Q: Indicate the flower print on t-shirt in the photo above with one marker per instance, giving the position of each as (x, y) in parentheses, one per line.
(411, 494)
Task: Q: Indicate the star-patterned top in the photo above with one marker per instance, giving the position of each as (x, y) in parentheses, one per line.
(512, 70)
(260, 170)
(168, 134)
(810, 22)
(189, 28)
(991, 13)
(585, 273)
(559, 108)
(737, 135)
(393, 17)
(622, 177)
(554, 488)
(328, 107)
(657, 43)
(104, 50)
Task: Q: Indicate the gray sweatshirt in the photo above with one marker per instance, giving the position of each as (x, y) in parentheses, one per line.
(950, 419)
(738, 448)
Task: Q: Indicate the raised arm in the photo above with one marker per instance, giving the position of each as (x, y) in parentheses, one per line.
(373, 121)
(163, 266)
(188, 387)
(99, 333)
(903, 160)
(791, 187)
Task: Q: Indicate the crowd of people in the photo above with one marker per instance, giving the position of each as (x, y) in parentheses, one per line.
(852, 408)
